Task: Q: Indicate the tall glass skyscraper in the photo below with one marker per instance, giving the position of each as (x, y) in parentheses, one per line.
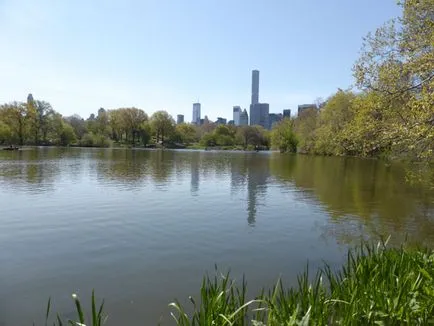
(196, 113)
(255, 87)
(237, 113)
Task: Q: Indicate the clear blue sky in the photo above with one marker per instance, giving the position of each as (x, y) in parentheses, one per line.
(157, 54)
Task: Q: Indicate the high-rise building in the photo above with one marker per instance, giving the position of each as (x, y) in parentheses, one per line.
(30, 99)
(287, 113)
(244, 118)
(274, 118)
(221, 121)
(237, 112)
(255, 87)
(259, 114)
(196, 113)
(304, 107)
(179, 119)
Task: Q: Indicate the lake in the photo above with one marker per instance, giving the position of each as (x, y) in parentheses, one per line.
(141, 227)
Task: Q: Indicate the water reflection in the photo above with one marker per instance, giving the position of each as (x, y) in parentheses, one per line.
(194, 172)
(258, 174)
(361, 197)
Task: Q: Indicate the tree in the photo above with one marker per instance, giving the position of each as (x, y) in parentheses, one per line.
(251, 136)
(186, 133)
(335, 117)
(78, 125)
(145, 132)
(131, 120)
(224, 135)
(102, 122)
(117, 124)
(5, 132)
(14, 115)
(163, 125)
(397, 64)
(283, 136)
(44, 113)
(67, 135)
(305, 128)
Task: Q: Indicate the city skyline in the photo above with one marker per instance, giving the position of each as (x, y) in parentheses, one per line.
(73, 56)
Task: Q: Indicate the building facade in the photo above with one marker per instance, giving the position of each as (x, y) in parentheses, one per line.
(244, 118)
(287, 113)
(274, 118)
(259, 114)
(221, 121)
(237, 113)
(196, 113)
(179, 119)
(304, 107)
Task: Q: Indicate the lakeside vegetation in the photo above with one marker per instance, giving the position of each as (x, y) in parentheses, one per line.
(376, 286)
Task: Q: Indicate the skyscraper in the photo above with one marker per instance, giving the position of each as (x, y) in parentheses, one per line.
(244, 118)
(179, 119)
(258, 111)
(259, 114)
(273, 119)
(287, 113)
(196, 113)
(237, 113)
(255, 87)
(30, 99)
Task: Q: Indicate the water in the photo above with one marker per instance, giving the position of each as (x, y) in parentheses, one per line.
(142, 227)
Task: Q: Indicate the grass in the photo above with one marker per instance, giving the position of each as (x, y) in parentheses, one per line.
(376, 286)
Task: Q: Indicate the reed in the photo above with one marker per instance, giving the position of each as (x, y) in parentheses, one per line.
(376, 286)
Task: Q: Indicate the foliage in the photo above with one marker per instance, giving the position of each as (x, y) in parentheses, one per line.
(186, 133)
(305, 129)
(283, 136)
(162, 125)
(397, 64)
(393, 115)
(97, 316)
(377, 286)
(252, 136)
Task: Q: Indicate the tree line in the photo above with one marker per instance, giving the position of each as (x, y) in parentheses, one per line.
(391, 112)
(36, 123)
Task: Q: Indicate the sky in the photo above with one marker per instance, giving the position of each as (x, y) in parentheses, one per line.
(82, 55)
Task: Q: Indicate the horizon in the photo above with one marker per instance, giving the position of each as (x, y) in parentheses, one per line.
(82, 56)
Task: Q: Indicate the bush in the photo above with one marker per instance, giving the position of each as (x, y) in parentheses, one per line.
(92, 140)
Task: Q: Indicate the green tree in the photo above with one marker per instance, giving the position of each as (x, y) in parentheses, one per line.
(5, 133)
(186, 133)
(67, 135)
(44, 114)
(131, 120)
(14, 115)
(145, 132)
(163, 125)
(224, 135)
(335, 117)
(397, 64)
(305, 129)
(78, 124)
(251, 136)
(283, 136)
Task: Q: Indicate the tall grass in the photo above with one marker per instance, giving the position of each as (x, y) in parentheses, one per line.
(376, 286)
(97, 316)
